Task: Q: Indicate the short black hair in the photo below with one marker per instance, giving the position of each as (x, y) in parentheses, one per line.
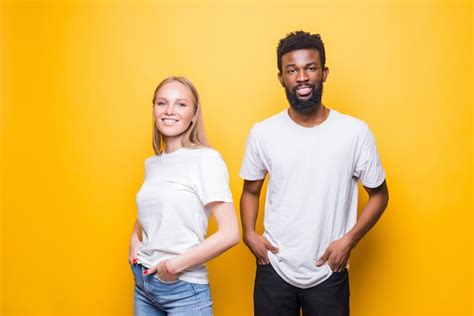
(300, 40)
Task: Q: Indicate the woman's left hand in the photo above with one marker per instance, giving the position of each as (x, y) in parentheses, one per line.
(162, 272)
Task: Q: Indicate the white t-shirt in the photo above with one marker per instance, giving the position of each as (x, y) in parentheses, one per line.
(312, 192)
(172, 204)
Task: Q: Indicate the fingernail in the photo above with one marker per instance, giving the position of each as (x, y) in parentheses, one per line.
(134, 261)
(145, 272)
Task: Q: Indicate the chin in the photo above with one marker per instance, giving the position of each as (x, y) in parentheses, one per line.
(170, 133)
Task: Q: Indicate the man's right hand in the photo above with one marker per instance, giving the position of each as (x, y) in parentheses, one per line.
(259, 246)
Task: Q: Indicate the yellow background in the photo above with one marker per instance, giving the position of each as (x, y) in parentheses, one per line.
(76, 87)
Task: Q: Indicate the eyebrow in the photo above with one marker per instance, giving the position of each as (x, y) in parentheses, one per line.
(179, 99)
(308, 64)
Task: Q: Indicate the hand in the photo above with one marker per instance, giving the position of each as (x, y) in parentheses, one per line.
(259, 246)
(337, 254)
(132, 252)
(162, 272)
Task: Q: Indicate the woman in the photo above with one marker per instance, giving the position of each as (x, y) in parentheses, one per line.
(185, 182)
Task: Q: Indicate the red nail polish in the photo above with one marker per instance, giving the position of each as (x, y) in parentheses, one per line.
(134, 261)
(145, 272)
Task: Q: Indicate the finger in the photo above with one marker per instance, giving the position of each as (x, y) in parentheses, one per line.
(323, 258)
(270, 247)
(151, 270)
(263, 259)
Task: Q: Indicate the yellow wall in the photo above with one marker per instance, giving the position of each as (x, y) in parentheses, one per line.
(77, 81)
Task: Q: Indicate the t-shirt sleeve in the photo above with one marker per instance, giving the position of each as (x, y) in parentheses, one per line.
(368, 166)
(252, 166)
(213, 183)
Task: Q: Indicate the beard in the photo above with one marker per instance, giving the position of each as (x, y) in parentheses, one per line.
(305, 106)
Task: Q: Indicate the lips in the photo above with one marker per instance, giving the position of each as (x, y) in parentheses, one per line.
(304, 90)
(169, 121)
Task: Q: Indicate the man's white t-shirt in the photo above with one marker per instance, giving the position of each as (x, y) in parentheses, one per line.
(172, 205)
(312, 191)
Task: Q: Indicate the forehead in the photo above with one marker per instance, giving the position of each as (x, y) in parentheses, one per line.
(301, 57)
(174, 90)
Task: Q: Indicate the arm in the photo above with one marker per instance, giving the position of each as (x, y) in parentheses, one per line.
(338, 252)
(249, 202)
(227, 236)
(135, 241)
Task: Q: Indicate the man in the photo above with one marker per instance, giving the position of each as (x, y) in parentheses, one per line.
(314, 157)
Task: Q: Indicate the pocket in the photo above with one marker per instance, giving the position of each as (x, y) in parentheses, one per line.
(202, 293)
(165, 282)
(263, 266)
(338, 275)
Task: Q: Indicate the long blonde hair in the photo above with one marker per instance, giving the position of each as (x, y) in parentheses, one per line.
(195, 135)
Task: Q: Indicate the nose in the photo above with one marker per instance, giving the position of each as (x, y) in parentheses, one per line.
(302, 76)
(169, 109)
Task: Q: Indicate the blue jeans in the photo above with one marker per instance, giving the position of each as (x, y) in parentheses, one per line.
(154, 297)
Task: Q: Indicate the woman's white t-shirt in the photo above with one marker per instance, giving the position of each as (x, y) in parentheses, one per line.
(172, 205)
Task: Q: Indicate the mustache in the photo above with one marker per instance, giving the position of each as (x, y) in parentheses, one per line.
(303, 85)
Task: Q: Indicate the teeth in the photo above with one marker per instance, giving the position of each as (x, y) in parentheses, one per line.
(304, 90)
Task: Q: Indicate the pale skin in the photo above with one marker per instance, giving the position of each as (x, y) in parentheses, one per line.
(303, 68)
(174, 111)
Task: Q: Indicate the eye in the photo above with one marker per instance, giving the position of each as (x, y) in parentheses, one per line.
(160, 103)
(291, 71)
(311, 68)
(182, 105)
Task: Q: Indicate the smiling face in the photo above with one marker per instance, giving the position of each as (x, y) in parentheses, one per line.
(302, 76)
(174, 109)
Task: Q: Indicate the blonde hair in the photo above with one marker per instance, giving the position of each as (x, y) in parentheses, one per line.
(195, 135)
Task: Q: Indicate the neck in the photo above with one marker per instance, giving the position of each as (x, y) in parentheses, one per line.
(311, 119)
(172, 143)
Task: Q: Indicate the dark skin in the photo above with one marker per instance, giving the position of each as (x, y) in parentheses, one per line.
(303, 68)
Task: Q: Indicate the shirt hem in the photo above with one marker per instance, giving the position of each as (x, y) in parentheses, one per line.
(373, 185)
(250, 178)
(298, 285)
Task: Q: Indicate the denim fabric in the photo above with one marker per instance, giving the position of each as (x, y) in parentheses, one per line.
(154, 297)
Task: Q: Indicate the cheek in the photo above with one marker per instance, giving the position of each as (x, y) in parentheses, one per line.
(157, 111)
(187, 115)
(288, 81)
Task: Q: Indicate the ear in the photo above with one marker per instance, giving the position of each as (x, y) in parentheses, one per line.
(280, 78)
(325, 73)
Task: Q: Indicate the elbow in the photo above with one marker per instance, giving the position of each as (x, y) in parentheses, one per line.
(386, 198)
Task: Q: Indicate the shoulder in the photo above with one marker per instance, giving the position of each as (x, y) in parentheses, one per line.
(269, 124)
(350, 123)
(204, 154)
(151, 159)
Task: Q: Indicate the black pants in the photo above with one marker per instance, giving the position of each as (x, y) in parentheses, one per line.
(274, 296)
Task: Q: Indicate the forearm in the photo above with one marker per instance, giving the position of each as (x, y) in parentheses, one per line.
(211, 247)
(248, 212)
(371, 212)
(227, 236)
